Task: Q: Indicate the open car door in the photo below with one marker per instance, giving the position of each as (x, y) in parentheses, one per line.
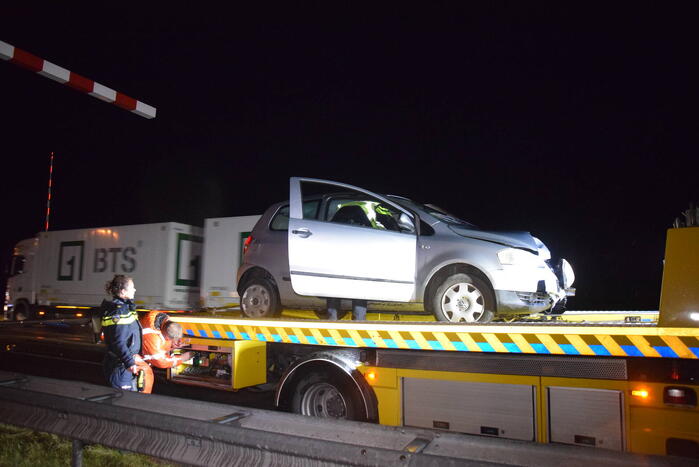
(358, 245)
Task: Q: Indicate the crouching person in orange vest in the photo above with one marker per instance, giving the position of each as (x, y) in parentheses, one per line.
(159, 334)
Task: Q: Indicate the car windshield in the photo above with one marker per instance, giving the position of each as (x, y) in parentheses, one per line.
(433, 211)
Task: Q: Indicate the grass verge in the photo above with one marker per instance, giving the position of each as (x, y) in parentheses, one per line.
(21, 447)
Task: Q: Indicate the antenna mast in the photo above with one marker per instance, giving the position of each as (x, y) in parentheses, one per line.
(48, 201)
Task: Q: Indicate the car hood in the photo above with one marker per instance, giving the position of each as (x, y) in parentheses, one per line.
(516, 239)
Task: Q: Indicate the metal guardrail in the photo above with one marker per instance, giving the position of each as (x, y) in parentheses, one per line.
(212, 434)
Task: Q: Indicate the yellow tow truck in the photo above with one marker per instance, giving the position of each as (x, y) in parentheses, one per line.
(630, 386)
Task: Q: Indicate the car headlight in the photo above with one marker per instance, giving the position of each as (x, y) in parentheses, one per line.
(516, 257)
(568, 274)
(544, 252)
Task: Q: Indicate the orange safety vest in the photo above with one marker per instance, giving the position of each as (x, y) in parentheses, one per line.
(156, 349)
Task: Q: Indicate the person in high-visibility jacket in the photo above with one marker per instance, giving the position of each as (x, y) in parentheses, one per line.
(122, 362)
(160, 335)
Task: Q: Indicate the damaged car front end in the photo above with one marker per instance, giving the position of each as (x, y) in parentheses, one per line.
(517, 268)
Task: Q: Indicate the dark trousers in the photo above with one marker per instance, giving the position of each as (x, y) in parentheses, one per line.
(118, 376)
(358, 309)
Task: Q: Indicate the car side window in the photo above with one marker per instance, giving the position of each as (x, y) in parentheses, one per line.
(280, 221)
(363, 212)
(310, 209)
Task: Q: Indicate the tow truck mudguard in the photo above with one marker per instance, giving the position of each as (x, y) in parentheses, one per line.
(345, 361)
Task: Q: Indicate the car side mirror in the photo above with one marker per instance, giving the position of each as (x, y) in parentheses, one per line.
(406, 223)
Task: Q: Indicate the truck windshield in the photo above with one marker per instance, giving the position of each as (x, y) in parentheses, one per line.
(17, 265)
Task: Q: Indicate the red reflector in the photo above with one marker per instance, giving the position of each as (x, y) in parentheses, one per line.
(679, 395)
(247, 243)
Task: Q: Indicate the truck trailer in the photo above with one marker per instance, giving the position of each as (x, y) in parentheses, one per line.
(61, 274)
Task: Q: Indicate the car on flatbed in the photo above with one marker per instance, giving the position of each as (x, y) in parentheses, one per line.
(337, 240)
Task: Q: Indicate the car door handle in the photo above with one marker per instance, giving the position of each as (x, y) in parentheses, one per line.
(303, 233)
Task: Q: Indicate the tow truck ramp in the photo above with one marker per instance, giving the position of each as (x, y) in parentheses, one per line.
(628, 340)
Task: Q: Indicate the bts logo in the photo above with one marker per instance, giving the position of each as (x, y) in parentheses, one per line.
(110, 258)
(70, 261)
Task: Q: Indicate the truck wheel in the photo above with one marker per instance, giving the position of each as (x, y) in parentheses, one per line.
(260, 299)
(463, 298)
(327, 396)
(21, 311)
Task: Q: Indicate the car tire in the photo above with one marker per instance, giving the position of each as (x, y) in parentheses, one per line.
(463, 298)
(260, 299)
(21, 311)
(327, 396)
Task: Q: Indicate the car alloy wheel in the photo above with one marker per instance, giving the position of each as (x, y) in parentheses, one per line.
(463, 298)
(259, 299)
(463, 302)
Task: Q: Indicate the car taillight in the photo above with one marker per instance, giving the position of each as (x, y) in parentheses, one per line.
(247, 243)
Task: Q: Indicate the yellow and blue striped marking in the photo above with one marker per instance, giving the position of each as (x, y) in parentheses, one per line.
(616, 341)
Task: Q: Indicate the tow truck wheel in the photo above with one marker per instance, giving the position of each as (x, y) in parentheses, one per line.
(20, 312)
(463, 298)
(260, 299)
(327, 396)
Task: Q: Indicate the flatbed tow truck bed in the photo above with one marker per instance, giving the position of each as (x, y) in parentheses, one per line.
(550, 338)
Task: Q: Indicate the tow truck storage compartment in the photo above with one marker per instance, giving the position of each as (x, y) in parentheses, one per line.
(586, 417)
(493, 409)
(239, 364)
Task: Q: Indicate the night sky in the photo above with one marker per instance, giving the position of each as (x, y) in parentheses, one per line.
(576, 122)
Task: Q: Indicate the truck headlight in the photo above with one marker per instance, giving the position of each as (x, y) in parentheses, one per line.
(516, 257)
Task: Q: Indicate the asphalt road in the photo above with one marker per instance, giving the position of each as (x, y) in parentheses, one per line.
(67, 352)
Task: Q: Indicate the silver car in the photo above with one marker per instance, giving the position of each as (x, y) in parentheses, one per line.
(337, 240)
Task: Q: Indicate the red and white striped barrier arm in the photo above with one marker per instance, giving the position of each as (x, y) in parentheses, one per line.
(74, 80)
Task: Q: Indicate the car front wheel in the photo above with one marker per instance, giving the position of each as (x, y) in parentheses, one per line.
(260, 299)
(463, 298)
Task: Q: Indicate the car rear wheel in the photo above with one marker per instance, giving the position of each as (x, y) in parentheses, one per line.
(463, 298)
(260, 299)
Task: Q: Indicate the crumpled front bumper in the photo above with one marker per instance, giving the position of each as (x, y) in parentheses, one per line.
(520, 303)
(546, 292)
